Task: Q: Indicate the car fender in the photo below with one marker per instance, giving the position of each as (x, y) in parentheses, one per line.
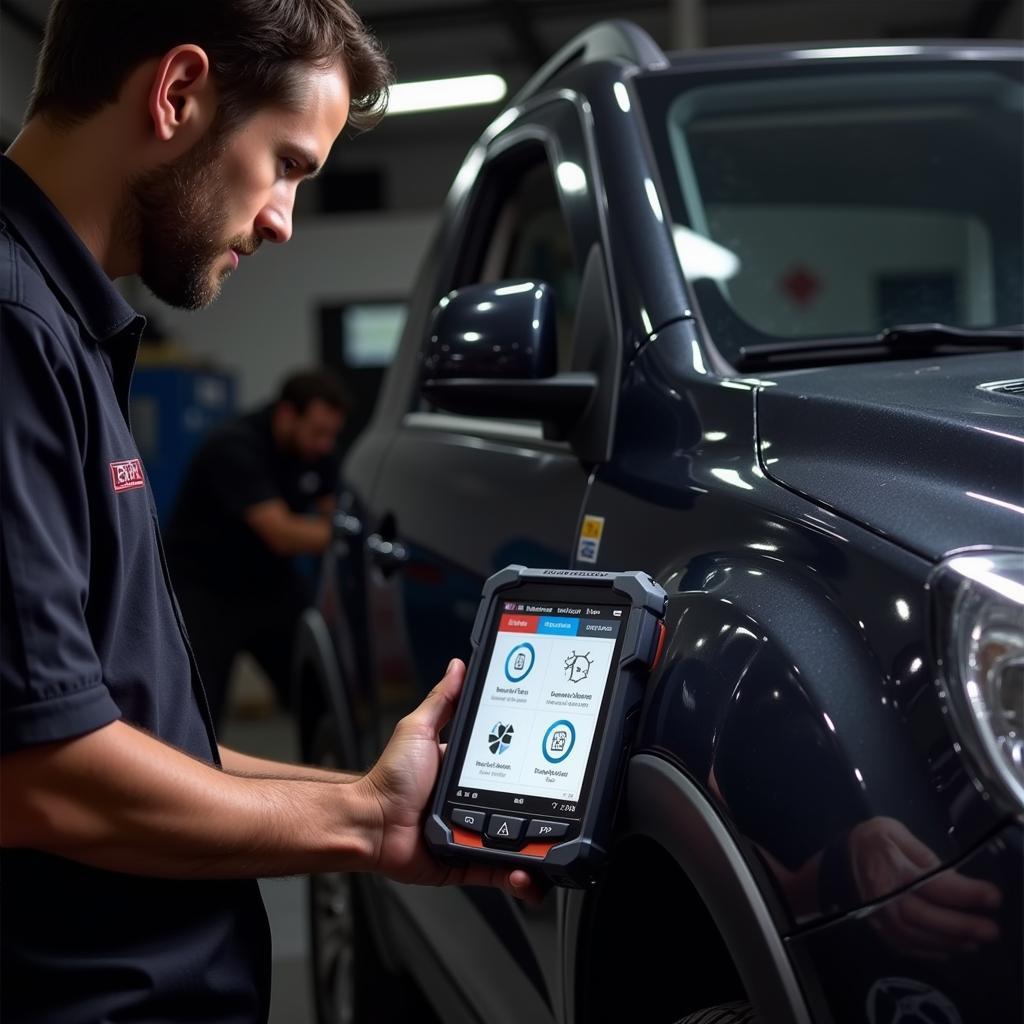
(772, 699)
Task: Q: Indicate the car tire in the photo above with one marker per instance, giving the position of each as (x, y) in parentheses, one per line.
(351, 983)
(726, 1013)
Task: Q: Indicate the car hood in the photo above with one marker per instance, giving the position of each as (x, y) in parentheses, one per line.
(916, 450)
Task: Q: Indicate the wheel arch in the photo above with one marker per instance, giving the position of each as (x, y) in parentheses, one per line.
(319, 688)
(666, 806)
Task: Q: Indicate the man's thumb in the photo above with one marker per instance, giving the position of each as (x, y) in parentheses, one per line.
(437, 710)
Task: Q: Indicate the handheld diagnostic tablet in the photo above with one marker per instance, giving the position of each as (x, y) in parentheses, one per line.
(541, 736)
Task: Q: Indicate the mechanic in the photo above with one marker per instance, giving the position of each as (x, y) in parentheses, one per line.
(165, 139)
(242, 517)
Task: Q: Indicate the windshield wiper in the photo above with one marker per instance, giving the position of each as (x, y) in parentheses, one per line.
(902, 341)
(934, 335)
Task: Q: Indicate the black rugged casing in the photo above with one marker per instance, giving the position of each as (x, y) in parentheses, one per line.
(576, 862)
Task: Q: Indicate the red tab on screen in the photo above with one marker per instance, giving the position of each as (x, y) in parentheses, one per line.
(126, 476)
(518, 624)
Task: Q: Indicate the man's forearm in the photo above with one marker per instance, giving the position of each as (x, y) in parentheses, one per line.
(285, 532)
(121, 800)
(237, 763)
(302, 535)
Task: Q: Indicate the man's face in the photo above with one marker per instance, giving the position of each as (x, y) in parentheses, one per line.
(197, 217)
(313, 434)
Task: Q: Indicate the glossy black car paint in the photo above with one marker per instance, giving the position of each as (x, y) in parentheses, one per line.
(794, 520)
(498, 331)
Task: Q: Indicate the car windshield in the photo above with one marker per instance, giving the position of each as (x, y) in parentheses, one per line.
(817, 204)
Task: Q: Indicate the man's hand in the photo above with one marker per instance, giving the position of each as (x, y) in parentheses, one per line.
(948, 914)
(121, 800)
(286, 532)
(402, 782)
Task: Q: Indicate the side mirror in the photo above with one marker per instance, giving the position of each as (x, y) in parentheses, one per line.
(493, 351)
(505, 330)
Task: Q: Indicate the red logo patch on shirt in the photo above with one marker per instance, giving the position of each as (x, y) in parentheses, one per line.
(126, 476)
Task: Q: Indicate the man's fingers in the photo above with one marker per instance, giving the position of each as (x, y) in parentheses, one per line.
(900, 933)
(951, 889)
(525, 887)
(945, 925)
(437, 709)
(912, 848)
(518, 883)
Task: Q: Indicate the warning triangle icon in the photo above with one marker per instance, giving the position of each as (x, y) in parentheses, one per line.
(503, 831)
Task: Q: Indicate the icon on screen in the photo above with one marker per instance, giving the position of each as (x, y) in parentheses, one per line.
(519, 663)
(577, 667)
(617, 612)
(559, 741)
(500, 738)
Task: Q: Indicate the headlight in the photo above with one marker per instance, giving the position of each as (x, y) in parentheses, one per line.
(982, 602)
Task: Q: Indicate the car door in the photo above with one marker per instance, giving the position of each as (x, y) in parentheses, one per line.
(459, 497)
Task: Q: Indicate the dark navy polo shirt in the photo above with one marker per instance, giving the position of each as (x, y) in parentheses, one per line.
(90, 633)
(209, 543)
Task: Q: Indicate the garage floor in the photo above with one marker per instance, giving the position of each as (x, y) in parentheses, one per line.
(255, 726)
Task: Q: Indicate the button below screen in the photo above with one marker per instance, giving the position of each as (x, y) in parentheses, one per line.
(503, 827)
(472, 820)
(546, 829)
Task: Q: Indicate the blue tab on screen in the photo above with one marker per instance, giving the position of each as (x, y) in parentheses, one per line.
(558, 626)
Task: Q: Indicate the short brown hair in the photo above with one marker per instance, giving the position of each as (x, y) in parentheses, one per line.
(256, 48)
(321, 385)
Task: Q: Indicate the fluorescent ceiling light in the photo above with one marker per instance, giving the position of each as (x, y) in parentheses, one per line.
(445, 93)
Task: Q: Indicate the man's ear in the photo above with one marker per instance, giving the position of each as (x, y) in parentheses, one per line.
(182, 100)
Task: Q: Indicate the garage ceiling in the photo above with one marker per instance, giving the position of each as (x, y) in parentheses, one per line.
(442, 38)
(433, 39)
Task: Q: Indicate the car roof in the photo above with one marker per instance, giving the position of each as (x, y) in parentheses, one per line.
(829, 51)
(629, 45)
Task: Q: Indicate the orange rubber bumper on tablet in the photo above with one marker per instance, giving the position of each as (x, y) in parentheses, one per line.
(463, 838)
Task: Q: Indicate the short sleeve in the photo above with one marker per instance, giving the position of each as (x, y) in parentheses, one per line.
(237, 475)
(51, 681)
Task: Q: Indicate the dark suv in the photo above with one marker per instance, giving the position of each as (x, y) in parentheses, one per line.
(748, 320)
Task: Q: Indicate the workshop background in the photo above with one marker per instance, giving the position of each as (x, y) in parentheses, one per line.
(334, 294)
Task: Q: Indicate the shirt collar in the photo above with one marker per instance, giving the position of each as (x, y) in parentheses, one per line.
(68, 265)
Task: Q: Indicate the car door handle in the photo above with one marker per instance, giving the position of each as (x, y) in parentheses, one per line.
(346, 526)
(387, 555)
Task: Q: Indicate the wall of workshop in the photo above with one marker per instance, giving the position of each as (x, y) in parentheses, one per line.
(266, 321)
(17, 73)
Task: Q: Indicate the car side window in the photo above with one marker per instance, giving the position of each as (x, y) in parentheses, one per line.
(525, 235)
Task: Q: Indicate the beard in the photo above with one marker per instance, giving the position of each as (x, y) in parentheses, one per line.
(176, 216)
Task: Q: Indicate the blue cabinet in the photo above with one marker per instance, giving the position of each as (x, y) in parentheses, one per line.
(172, 408)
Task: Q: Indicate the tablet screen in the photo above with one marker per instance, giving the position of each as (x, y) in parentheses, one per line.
(540, 705)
